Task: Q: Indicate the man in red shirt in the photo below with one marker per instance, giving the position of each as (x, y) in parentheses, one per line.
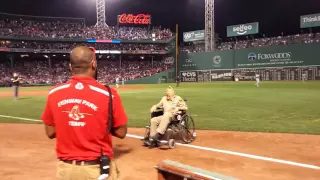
(76, 114)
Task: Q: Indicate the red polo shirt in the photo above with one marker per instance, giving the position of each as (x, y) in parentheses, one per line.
(78, 110)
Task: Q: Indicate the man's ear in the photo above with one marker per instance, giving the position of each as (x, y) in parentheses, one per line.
(94, 65)
(70, 67)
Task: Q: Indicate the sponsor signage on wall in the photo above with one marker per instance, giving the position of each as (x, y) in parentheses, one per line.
(269, 59)
(134, 19)
(243, 29)
(221, 75)
(311, 20)
(193, 36)
(189, 76)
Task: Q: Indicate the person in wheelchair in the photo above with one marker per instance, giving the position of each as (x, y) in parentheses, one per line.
(172, 105)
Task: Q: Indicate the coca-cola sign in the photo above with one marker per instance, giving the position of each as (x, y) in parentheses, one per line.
(134, 19)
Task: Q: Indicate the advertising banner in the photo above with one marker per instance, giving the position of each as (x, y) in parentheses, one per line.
(144, 19)
(142, 52)
(28, 50)
(189, 76)
(206, 60)
(221, 75)
(311, 20)
(193, 36)
(5, 49)
(243, 29)
(291, 55)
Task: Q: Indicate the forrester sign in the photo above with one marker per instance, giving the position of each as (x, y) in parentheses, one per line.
(243, 29)
(311, 20)
(134, 19)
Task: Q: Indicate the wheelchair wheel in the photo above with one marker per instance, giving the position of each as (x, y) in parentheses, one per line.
(171, 143)
(187, 128)
(147, 133)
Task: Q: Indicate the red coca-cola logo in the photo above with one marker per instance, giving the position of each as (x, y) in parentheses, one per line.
(134, 19)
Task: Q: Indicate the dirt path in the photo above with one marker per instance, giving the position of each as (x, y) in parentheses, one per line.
(26, 153)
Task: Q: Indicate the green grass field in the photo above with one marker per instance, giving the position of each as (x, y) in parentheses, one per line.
(291, 107)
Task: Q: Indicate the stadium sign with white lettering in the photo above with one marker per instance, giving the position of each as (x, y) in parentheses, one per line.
(311, 20)
(193, 36)
(189, 76)
(243, 29)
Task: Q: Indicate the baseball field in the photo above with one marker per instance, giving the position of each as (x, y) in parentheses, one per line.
(271, 132)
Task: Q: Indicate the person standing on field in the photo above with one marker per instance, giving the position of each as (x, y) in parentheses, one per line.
(177, 81)
(304, 77)
(76, 114)
(257, 80)
(117, 82)
(15, 84)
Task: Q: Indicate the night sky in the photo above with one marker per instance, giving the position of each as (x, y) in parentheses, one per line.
(274, 16)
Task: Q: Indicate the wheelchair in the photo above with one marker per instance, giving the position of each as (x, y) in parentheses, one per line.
(181, 129)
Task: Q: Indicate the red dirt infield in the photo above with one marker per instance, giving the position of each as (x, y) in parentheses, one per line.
(26, 153)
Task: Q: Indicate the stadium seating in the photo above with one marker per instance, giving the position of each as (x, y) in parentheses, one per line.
(47, 69)
(30, 26)
(256, 42)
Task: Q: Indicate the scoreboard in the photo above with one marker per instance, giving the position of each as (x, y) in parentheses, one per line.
(279, 74)
(266, 74)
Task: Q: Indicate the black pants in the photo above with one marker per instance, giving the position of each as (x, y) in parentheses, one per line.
(178, 83)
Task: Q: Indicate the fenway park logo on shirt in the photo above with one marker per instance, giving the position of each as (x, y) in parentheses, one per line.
(76, 115)
(79, 86)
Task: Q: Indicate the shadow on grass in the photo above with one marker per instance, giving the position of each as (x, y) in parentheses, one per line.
(24, 98)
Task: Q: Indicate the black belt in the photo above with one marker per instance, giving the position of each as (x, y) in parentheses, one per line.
(84, 163)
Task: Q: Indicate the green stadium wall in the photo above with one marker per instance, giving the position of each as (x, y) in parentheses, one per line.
(275, 56)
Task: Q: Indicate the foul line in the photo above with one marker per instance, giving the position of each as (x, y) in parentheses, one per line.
(205, 148)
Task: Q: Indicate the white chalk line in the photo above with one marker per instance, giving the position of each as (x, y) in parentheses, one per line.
(205, 148)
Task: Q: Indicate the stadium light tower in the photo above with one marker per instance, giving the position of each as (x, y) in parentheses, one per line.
(209, 26)
(101, 13)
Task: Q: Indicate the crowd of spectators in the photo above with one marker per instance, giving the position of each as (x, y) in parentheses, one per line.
(256, 42)
(39, 71)
(24, 26)
(69, 46)
(129, 70)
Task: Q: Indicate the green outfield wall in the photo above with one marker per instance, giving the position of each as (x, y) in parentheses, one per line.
(272, 63)
(290, 62)
(206, 60)
(275, 56)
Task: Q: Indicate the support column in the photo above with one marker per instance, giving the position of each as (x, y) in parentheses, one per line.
(11, 61)
(152, 61)
(49, 62)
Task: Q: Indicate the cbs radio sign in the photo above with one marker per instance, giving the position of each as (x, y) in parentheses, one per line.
(189, 76)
